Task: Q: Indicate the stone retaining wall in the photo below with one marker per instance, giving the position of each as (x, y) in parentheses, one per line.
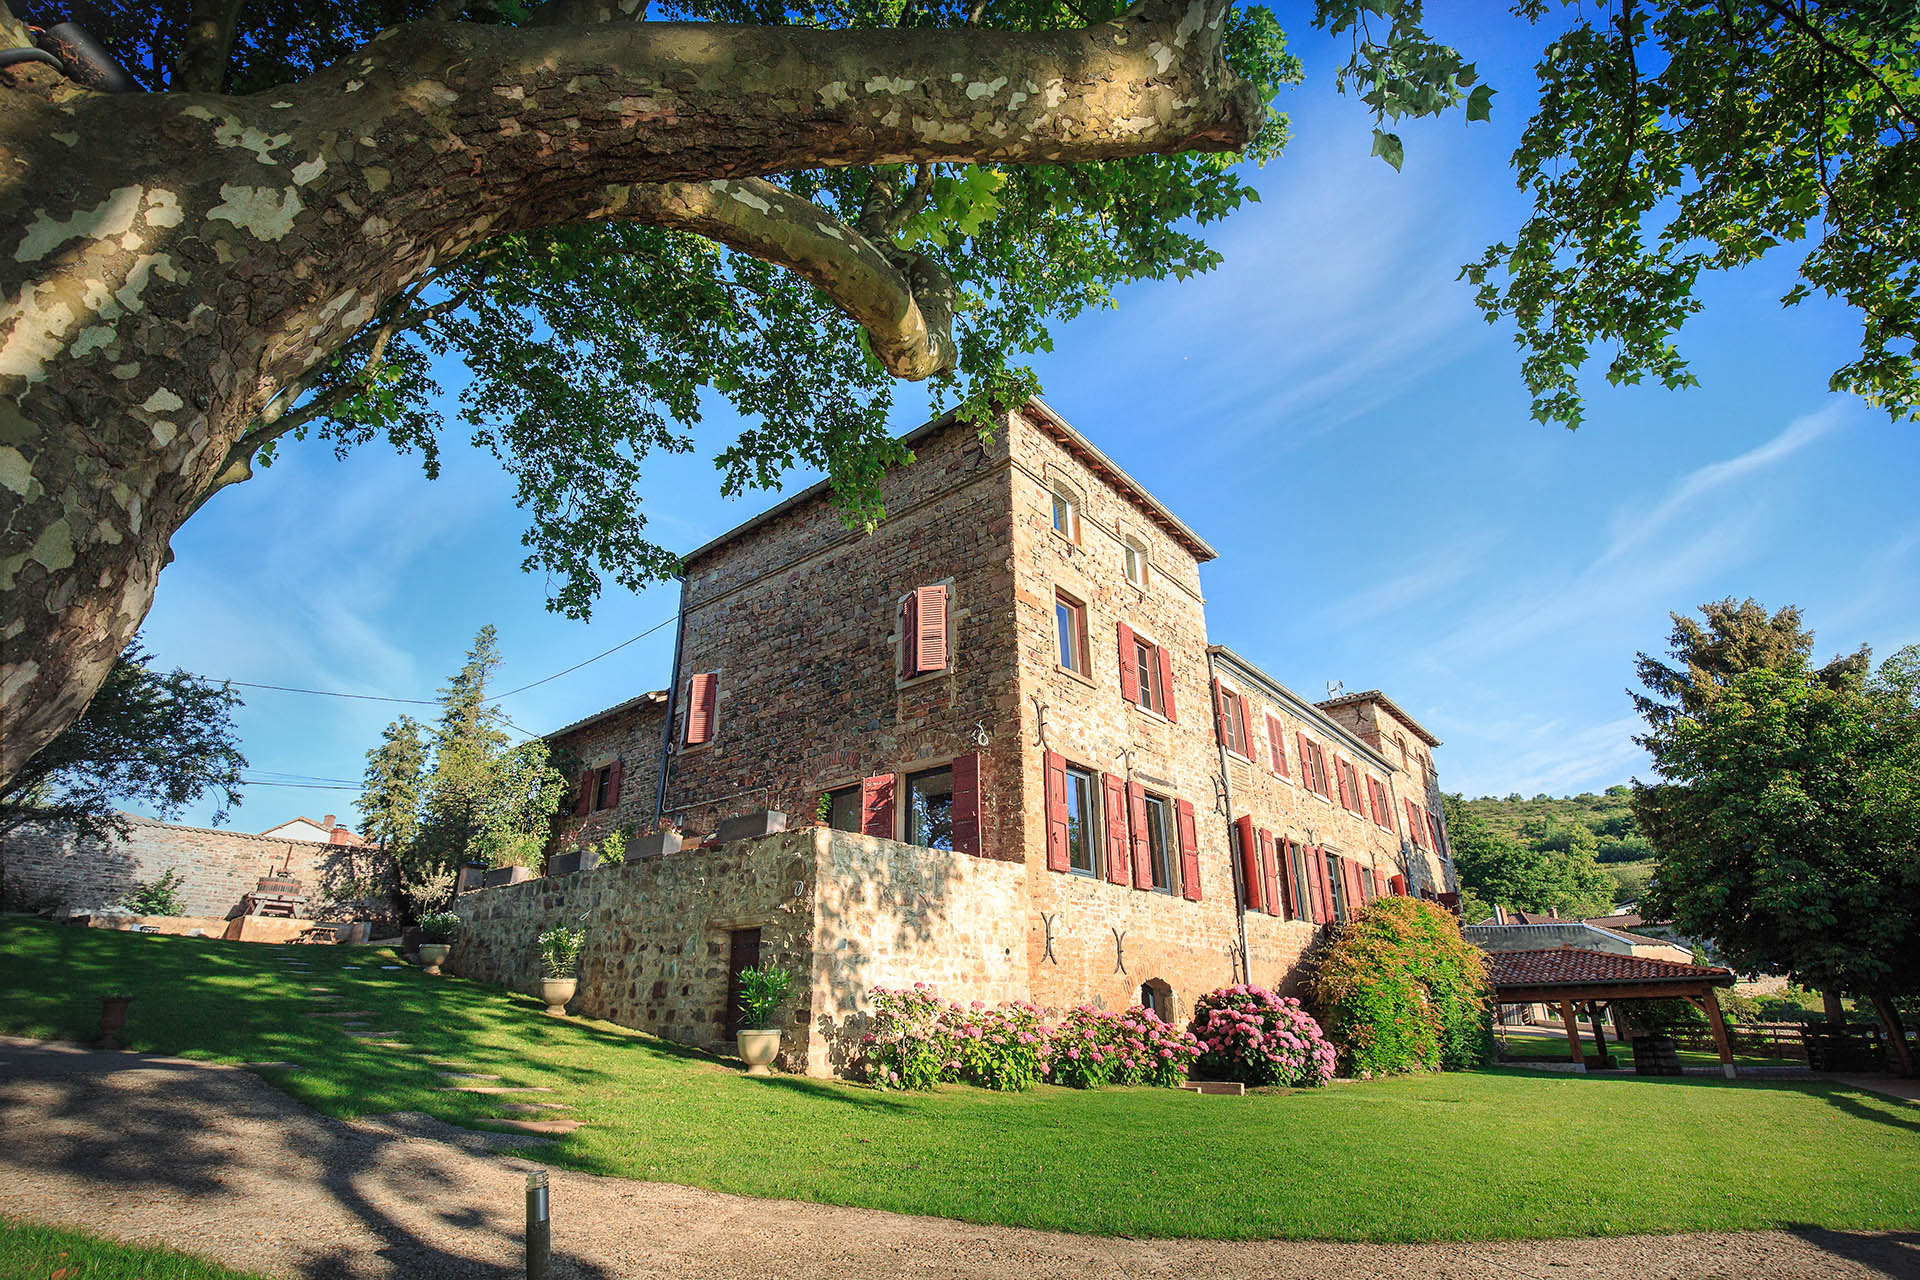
(659, 933)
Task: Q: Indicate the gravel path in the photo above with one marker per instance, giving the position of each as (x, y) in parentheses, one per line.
(211, 1159)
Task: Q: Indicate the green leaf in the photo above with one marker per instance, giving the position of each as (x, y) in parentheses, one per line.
(1480, 103)
(1388, 147)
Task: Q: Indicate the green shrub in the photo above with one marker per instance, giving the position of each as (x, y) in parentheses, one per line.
(560, 950)
(762, 988)
(158, 897)
(1398, 989)
(613, 848)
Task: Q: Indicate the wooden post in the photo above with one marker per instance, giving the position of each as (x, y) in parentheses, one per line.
(1712, 1005)
(1573, 1034)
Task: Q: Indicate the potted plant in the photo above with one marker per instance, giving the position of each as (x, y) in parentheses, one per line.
(762, 990)
(437, 930)
(559, 951)
(113, 1016)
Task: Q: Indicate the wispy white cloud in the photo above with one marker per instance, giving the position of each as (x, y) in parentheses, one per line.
(1432, 572)
(1553, 759)
(1635, 528)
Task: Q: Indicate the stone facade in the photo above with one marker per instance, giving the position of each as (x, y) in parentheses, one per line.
(49, 866)
(803, 685)
(614, 757)
(846, 911)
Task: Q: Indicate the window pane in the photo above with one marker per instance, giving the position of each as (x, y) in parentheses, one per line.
(1067, 622)
(844, 810)
(1149, 669)
(1338, 888)
(1062, 515)
(1079, 820)
(1157, 842)
(930, 809)
(1299, 884)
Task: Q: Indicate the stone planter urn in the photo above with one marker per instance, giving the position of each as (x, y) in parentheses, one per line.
(557, 991)
(113, 1016)
(434, 954)
(757, 1049)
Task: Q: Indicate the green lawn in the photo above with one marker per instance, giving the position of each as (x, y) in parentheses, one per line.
(1507, 1153)
(28, 1250)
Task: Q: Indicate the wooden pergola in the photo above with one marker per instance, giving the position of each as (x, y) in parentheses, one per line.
(1568, 976)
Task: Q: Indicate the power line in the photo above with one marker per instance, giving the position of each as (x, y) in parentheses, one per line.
(303, 786)
(433, 702)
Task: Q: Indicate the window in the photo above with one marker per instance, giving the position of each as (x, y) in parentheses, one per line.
(1313, 766)
(1066, 514)
(1302, 889)
(1070, 624)
(1156, 997)
(843, 809)
(603, 789)
(1082, 854)
(703, 697)
(1433, 829)
(1233, 720)
(1133, 557)
(1159, 828)
(1336, 887)
(930, 808)
(923, 632)
(1350, 788)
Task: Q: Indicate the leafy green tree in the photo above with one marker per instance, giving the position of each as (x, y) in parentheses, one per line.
(1787, 821)
(834, 194)
(466, 794)
(159, 738)
(1512, 872)
(1736, 637)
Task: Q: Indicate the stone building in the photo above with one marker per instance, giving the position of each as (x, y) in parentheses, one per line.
(1014, 668)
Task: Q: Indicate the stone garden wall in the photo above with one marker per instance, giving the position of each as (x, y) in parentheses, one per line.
(659, 932)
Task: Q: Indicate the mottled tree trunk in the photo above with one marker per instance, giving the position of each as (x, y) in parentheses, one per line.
(170, 263)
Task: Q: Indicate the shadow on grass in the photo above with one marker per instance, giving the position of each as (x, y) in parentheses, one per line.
(1894, 1254)
(826, 1091)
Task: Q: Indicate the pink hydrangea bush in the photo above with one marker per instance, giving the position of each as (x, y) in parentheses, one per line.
(1002, 1048)
(909, 1045)
(1091, 1047)
(1254, 1036)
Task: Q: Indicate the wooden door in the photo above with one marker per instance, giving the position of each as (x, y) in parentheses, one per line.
(743, 952)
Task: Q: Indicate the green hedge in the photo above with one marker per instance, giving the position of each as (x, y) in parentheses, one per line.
(1398, 989)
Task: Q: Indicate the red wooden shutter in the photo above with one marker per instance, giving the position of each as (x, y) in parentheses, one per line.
(583, 799)
(1415, 828)
(966, 804)
(1119, 856)
(876, 806)
(1323, 912)
(1166, 683)
(702, 692)
(1249, 854)
(1433, 829)
(1129, 673)
(1142, 848)
(613, 785)
(1220, 713)
(1356, 893)
(930, 630)
(1397, 885)
(910, 634)
(1246, 727)
(1276, 744)
(1340, 780)
(1379, 883)
(1055, 766)
(1269, 874)
(1306, 761)
(1189, 851)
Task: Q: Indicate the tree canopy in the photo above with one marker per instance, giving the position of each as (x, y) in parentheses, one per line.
(1787, 820)
(606, 222)
(1544, 865)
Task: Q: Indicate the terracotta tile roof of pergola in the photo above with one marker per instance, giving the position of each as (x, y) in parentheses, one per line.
(1573, 967)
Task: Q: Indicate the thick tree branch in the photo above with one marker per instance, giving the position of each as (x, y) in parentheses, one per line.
(1815, 32)
(201, 66)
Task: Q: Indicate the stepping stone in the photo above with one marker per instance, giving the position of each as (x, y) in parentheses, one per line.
(269, 1066)
(393, 966)
(494, 1088)
(466, 1075)
(535, 1108)
(373, 1035)
(341, 1013)
(390, 1044)
(538, 1126)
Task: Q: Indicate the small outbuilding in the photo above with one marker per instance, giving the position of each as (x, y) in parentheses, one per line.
(1565, 977)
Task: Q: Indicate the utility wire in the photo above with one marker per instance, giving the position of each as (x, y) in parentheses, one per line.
(433, 702)
(303, 786)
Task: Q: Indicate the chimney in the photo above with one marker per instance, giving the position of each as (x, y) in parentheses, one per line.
(327, 822)
(1499, 914)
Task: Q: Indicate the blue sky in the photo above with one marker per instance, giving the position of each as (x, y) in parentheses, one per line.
(1328, 410)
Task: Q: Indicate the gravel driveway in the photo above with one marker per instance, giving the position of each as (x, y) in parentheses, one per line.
(211, 1159)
